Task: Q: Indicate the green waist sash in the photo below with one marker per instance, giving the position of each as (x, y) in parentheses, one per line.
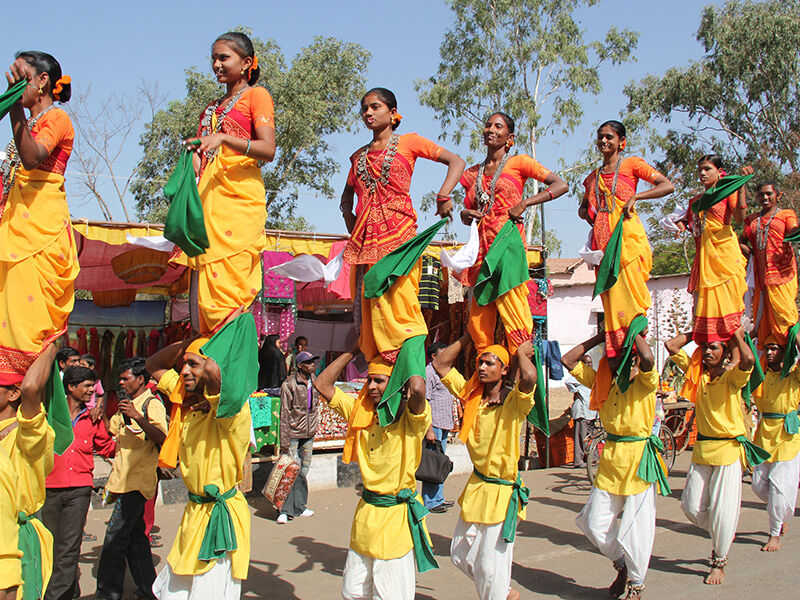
(219, 537)
(31, 550)
(519, 497)
(755, 455)
(423, 551)
(791, 420)
(651, 469)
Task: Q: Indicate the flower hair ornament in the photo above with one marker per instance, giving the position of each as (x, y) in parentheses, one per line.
(509, 143)
(396, 118)
(622, 144)
(62, 81)
(253, 66)
(722, 173)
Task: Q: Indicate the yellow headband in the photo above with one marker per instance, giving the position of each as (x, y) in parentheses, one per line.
(499, 351)
(194, 347)
(379, 366)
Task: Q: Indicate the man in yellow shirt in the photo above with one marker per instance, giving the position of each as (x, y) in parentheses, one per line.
(775, 480)
(494, 498)
(620, 515)
(139, 428)
(389, 531)
(10, 563)
(211, 553)
(713, 492)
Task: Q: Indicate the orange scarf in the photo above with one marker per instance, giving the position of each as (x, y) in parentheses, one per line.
(602, 385)
(693, 374)
(363, 414)
(473, 392)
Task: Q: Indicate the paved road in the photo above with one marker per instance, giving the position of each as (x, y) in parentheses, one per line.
(552, 558)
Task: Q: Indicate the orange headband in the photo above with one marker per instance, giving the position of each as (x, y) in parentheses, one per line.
(62, 81)
(194, 347)
(379, 366)
(499, 351)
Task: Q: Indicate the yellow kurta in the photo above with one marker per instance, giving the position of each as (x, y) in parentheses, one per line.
(136, 457)
(630, 414)
(718, 414)
(493, 446)
(778, 396)
(212, 451)
(30, 449)
(388, 458)
(10, 564)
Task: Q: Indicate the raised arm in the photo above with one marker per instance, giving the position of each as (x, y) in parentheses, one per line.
(166, 358)
(325, 380)
(416, 394)
(740, 212)
(445, 360)
(527, 370)
(674, 345)
(646, 358)
(746, 358)
(455, 169)
(34, 383)
(574, 356)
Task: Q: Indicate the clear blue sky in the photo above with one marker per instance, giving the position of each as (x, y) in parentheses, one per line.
(112, 46)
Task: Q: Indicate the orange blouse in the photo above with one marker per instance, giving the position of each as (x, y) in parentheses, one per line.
(54, 131)
(508, 193)
(385, 218)
(775, 264)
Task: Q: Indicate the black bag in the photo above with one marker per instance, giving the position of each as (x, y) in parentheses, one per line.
(435, 465)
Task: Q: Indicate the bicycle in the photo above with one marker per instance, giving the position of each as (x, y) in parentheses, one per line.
(679, 420)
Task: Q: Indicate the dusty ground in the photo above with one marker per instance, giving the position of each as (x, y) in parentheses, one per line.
(552, 559)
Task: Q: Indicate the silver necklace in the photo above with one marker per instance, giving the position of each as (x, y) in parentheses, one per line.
(13, 161)
(205, 122)
(365, 174)
(762, 235)
(484, 199)
(607, 205)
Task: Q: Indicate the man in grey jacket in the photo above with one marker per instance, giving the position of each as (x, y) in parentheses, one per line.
(299, 402)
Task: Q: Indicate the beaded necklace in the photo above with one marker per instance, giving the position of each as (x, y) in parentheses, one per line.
(762, 235)
(607, 205)
(484, 199)
(365, 174)
(207, 120)
(13, 161)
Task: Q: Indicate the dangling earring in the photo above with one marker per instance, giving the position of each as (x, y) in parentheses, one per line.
(622, 145)
(509, 143)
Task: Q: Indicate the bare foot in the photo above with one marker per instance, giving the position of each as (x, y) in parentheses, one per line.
(715, 577)
(512, 595)
(783, 529)
(618, 587)
(633, 595)
(773, 544)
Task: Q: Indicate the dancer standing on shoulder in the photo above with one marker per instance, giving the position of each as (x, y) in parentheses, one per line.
(38, 257)
(236, 134)
(495, 496)
(609, 197)
(384, 218)
(494, 195)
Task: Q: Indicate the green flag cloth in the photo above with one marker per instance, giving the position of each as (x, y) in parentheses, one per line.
(756, 377)
(504, 267)
(11, 97)
(410, 361)
(55, 404)
(398, 262)
(724, 188)
(793, 237)
(791, 420)
(184, 225)
(519, 497)
(755, 455)
(235, 349)
(650, 468)
(31, 550)
(219, 536)
(790, 354)
(608, 271)
(538, 416)
(637, 326)
(423, 551)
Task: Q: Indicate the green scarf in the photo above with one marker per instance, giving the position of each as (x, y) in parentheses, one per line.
(755, 455)
(790, 354)
(608, 271)
(398, 262)
(538, 416)
(235, 349)
(756, 377)
(55, 404)
(185, 225)
(519, 497)
(410, 361)
(219, 537)
(791, 420)
(423, 551)
(504, 267)
(31, 550)
(11, 97)
(637, 326)
(650, 468)
(724, 188)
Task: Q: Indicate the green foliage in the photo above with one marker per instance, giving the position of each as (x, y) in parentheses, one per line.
(314, 96)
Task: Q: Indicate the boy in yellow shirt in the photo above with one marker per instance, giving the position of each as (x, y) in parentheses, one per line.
(389, 531)
(494, 498)
(775, 480)
(712, 495)
(620, 515)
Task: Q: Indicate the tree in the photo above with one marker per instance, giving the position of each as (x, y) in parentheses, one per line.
(741, 99)
(314, 96)
(525, 57)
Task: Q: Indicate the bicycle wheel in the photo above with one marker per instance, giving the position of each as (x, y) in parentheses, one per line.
(676, 423)
(593, 456)
(670, 451)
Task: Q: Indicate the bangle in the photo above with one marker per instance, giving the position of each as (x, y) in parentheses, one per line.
(549, 192)
(440, 198)
(248, 148)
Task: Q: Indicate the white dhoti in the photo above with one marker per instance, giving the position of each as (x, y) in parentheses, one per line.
(776, 484)
(629, 537)
(711, 500)
(480, 551)
(367, 578)
(215, 584)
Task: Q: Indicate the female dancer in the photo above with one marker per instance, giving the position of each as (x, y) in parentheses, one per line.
(380, 175)
(38, 258)
(610, 196)
(494, 194)
(236, 132)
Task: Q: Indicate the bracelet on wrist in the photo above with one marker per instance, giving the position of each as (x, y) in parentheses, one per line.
(247, 150)
(442, 198)
(550, 192)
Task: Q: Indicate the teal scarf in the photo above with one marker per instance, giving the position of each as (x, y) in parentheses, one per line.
(791, 420)
(755, 455)
(650, 468)
(219, 537)
(31, 550)
(519, 497)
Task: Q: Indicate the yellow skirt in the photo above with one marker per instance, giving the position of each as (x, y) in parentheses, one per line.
(515, 313)
(779, 312)
(627, 299)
